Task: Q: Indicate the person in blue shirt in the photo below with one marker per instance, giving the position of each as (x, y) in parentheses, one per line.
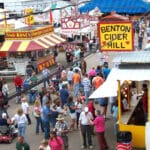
(64, 94)
(106, 71)
(47, 112)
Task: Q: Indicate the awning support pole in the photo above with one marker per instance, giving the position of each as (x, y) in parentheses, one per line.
(119, 102)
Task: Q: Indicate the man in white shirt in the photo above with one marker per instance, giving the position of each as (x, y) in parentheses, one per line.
(85, 127)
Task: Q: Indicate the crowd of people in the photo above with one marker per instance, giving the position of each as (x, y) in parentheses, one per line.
(73, 89)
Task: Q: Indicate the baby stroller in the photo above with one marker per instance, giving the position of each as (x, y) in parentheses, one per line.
(7, 133)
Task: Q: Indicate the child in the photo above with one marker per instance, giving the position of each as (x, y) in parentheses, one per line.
(25, 108)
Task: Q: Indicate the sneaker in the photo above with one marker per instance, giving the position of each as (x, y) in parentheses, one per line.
(90, 147)
(82, 147)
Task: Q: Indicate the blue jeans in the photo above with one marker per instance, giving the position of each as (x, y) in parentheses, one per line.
(32, 96)
(18, 91)
(21, 129)
(44, 82)
(38, 123)
(46, 129)
(76, 89)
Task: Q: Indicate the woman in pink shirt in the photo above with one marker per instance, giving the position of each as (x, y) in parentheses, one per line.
(92, 74)
(55, 142)
(99, 124)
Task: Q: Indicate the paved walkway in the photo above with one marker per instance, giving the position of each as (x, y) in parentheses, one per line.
(74, 137)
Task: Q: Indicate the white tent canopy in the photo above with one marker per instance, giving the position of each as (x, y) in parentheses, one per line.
(110, 86)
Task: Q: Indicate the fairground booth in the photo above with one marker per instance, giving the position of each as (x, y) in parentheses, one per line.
(128, 79)
(32, 43)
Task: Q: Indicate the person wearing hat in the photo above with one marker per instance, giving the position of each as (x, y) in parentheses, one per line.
(85, 127)
(44, 145)
(62, 130)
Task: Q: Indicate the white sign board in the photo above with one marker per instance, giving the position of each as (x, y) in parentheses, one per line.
(20, 67)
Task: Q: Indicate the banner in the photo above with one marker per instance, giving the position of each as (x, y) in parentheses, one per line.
(50, 17)
(116, 36)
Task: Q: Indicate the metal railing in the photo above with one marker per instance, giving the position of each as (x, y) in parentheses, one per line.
(53, 72)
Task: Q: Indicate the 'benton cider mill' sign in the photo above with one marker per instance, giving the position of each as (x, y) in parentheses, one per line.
(116, 36)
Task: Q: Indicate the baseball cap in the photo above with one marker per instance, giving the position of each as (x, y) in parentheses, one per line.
(86, 109)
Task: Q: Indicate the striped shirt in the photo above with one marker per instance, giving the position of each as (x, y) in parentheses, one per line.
(86, 84)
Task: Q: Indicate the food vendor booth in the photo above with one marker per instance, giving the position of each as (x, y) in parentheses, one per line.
(32, 43)
(130, 74)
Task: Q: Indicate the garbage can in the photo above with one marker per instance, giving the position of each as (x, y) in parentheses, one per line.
(124, 140)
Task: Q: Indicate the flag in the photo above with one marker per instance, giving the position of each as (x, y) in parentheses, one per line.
(50, 17)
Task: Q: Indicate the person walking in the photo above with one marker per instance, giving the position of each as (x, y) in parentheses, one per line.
(25, 108)
(92, 74)
(79, 107)
(34, 91)
(86, 86)
(21, 144)
(55, 142)
(18, 82)
(72, 109)
(83, 66)
(29, 69)
(76, 82)
(99, 123)
(21, 120)
(45, 76)
(97, 81)
(69, 78)
(64, 94)
(85, 127)
(46, 118)
(37, 114)
(62, 130)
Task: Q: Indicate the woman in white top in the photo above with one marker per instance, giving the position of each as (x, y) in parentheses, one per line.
(21, 120)
(79, 107)
(25, 108)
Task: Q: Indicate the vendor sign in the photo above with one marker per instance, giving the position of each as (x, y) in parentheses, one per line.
(116, 36)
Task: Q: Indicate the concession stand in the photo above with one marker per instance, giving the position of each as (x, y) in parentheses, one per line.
(130, 72)
(32, 43)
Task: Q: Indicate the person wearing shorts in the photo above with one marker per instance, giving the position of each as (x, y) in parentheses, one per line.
(103, 102)
(72, 109)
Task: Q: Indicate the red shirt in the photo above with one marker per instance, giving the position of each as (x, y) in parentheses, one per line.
(145, 102)
(18, 81)
(91, 107)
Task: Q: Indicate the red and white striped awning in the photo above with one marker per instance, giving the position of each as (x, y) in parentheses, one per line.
(41, 43)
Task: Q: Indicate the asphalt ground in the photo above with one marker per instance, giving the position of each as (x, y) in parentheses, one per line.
(75, 140)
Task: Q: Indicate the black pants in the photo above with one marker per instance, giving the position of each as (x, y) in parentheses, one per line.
(78, 115)
(86, 133)
(28, 118)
